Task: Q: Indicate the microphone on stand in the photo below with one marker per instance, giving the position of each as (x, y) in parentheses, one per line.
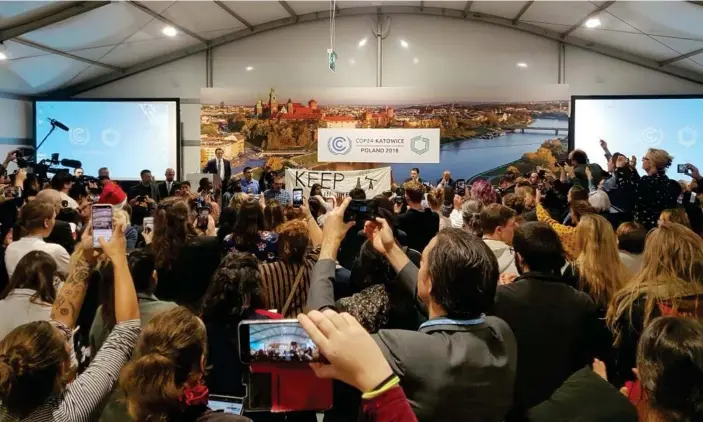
(74, 164)
(58, 124)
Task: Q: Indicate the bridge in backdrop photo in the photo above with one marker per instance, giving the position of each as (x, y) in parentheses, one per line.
(556, 130)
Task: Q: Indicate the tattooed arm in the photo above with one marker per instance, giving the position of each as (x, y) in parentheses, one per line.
(70, 298)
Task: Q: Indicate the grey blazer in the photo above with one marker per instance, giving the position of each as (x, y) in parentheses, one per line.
(448, 372)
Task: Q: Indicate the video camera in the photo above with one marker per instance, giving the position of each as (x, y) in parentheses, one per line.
(26, 159)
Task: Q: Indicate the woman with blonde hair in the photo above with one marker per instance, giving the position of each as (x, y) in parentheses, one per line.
(598, 268)
(435, 199)
(669, 283)
(676, 215)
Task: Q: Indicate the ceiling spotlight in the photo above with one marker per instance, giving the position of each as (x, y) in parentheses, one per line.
(521, 64)
(169, 31)
(250, 68)
(363, 42)
(3, 56)
(416, 60)
(404, 44)
(592, 23)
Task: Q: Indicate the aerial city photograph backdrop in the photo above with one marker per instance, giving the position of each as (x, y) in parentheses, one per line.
(483, 131)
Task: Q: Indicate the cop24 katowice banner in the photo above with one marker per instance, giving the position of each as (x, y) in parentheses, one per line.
(378, 145)
(373, 181)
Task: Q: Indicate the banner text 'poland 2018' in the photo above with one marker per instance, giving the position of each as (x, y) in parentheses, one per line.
(378, 145)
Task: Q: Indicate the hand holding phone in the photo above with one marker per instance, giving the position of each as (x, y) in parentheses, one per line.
(359, 210)
(280, 341)
(354, 356)
(297, 197)
(101, 219)
(148, 225)
(461, 187)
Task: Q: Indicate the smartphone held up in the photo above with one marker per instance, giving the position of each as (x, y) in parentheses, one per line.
(275, 341)
(101, 217)
(297, 197)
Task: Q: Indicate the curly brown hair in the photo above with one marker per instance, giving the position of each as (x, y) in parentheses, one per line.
(235, 287)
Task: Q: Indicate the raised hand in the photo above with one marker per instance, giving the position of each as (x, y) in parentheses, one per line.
(353, 355)
(116, 247)
(622, 162)
(380, 235)
(603, 145)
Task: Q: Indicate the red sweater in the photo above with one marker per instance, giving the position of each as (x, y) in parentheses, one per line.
(391, 406)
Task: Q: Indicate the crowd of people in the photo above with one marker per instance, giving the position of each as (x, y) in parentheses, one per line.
(565, 295)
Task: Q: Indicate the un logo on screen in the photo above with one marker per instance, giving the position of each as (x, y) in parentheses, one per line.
(339, 145)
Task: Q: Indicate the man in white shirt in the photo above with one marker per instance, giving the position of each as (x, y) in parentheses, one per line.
(498, 222)
(62, 182)
(220, 166)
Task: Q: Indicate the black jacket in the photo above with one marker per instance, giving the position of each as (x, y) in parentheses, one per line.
(584, 397)
(652, 194)
(420, 226)
(189, 276)
(211, 168)
(164, 193)
(62, 235)
(553, 324)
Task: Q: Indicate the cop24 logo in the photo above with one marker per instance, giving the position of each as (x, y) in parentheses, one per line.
(420, 145)
(339, 145)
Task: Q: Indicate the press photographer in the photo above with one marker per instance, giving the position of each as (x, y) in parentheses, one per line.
(143, 198)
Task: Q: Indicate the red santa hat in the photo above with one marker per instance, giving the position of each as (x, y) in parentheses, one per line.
(113, 195)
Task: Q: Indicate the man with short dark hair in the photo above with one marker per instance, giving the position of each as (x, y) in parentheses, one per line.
(460, 365)
(507, 184)
(220, 166)
(414, 176)
(420, 224)
(631, 240)
(277, 192)
(498, 224)
(249, 185)
(170, 186)
(579, 161)
(62, 182)
(553, 322)
(143, 197)
(78, 172)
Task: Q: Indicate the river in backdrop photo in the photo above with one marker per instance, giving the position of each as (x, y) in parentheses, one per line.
(470, 157)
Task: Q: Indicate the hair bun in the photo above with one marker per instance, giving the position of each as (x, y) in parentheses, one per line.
(16, 359)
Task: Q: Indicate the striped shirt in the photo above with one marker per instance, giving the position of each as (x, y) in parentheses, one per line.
(278, 278)
(83, 399)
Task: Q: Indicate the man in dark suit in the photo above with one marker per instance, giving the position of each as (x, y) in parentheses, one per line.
(459, 352)
(143, 197)
(170, 186)
(219, 166)
(62, 234)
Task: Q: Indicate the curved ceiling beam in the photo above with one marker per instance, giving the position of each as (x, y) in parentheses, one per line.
(374, 11)
(45, 16)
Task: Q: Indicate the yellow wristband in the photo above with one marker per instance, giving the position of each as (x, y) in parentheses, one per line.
(385, 387)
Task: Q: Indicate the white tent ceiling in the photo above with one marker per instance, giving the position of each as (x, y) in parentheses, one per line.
(71, 46)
